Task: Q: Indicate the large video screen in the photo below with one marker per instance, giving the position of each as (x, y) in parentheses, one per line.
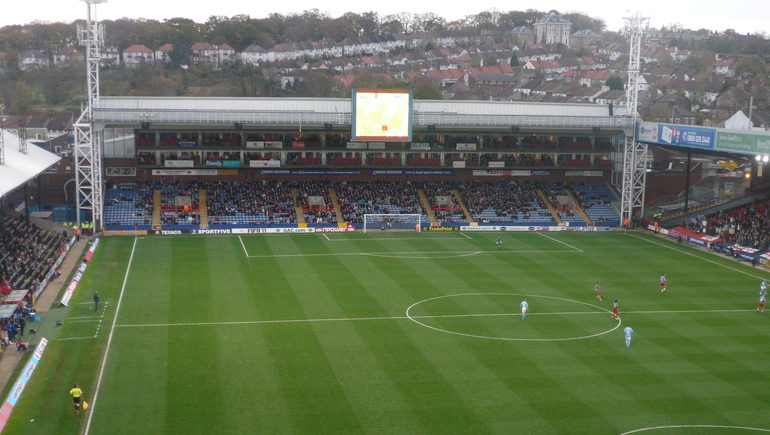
(382, 114)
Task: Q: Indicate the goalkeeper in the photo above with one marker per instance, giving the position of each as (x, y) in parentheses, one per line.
(499, 242)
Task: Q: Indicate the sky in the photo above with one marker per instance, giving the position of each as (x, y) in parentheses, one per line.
(744, 16)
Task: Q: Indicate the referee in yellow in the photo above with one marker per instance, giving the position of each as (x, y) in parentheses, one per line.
(76, 394)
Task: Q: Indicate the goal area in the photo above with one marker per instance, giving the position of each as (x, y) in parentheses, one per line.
(385, 222)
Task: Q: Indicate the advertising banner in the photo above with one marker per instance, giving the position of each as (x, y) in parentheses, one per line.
(298, 145)
(274, 145)
(496, 164)
(255, 144)
(458, 164)
(506, 173)
(500, 228)
(181, 172)
(79, 274)
(356, 145)
(744, 142)
(432, 228)
(272, 230)
(686, 135)
(188, 144)
(421, 146)
(231, 163)
(202, 231)
(647, 132)
(310, 172)
(466, 147)
(583, 173)
(541, 173)
(376, 145)
(265, 163)
(334, 229)
(179, 164)
(410, 172)
(18, 387)
(214, 163)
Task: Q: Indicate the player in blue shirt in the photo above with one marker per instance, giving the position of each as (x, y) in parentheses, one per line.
(663, 283)
(763, 288)
(598, 291)
(524, 308)
(628, 332)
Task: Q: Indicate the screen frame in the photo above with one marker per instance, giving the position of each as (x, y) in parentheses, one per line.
(354, 117)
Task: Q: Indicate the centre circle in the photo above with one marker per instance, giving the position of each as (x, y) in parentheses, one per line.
(597, 310)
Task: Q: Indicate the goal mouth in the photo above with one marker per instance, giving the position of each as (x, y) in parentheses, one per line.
(390, 222)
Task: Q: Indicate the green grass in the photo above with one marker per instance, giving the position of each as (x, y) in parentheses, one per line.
(310, 334)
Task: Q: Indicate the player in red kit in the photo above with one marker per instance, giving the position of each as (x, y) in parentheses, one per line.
(615, 309)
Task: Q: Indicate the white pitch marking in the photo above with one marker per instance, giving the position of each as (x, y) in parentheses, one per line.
(559, 241)
(697, 256)
(109, 340)
(409, 252)
(377, 239)
(356, 319)
(448, 255)
(714, 426)
(466, 236)
(327, 238)
(244, 247)
(84, 321)
(603, 311)
(74, 338)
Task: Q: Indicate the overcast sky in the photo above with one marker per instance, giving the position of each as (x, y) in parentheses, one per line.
(744, 16)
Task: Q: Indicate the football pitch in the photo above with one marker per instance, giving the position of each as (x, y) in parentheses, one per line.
(406, 333)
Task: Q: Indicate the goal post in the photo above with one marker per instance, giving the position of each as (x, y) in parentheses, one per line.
(378, 222)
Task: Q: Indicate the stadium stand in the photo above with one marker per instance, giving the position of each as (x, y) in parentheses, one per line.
(443, 213)
(316, 214)
(559, 199)
(26, 252)
(250, 202)
(358, 198)
(747, 226)
(505, 201)
(171, 214)
(128, 203)
(596, 201)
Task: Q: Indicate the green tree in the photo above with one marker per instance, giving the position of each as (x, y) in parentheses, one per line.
(426, 90)
(56, 90)
(514, 59)
(752, 67)
(181, 49)
(615, 83)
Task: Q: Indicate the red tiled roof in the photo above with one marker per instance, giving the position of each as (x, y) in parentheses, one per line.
(136, 48)
(165, 47)
(203, 46)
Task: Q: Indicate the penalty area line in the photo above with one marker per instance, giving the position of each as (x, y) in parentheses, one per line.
(384, 253)
(559, 241)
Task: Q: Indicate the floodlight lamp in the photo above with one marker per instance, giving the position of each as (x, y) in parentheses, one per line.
(758, 158)
(766, 159)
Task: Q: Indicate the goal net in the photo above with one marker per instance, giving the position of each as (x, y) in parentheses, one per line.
(380, 222)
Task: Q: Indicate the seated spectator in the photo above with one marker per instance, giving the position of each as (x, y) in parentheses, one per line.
(20, 346)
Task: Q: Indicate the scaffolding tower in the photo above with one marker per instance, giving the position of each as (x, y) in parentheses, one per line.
(634, 153)
(89, 191)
